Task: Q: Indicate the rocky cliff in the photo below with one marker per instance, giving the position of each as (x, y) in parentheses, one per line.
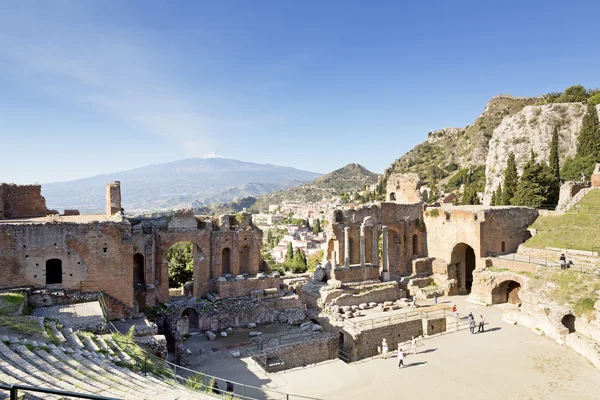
(531, 128)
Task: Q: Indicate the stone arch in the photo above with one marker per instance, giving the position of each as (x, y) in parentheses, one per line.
(507, 292)
(415, 245)
(138, 269)
(226, 261)
(463, 257)
(244, 259)
(54, 271)
(338, 216)
(568, 321)
(193, 318)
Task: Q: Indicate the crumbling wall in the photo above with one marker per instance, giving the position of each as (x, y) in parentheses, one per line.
(22, 201)
(355, 273)
(364, 343)
(403, 188)
(315, 350)
(237, 288)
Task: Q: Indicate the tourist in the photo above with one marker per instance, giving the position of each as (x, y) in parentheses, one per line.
(401, 356)
(471, 322)
(384, 348)
(229, 387)
(481, 324)
(563, 261)
(435, 298)
(413, 346)
(215, 387)
(454, 310)
(414, 301)
(582, 177)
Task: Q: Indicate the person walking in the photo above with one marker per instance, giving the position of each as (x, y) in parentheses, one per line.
(471, 323)
(435, 298)
(563, 261)
(401, 356)
(229, 387)
(413, 346)
(481, 324)
(384, 348)
(414, 301)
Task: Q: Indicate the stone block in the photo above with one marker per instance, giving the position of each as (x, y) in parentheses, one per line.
(210, 335)
(271, 291)
(251, 325)
(257, 293)
(363, 306)
(317, 328)
(235, 353)
(254, 333)
(372, 304)
(223, 334)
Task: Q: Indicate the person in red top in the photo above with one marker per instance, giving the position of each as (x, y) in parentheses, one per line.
(454, 308)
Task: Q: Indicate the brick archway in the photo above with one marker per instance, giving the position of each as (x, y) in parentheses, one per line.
(507, 292)
(464, 258)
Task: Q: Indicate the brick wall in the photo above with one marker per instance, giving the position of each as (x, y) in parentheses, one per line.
(322, 348)
(364, 343)
(355, 273)
(243, 288)
(378, 295)
(434, 326)
(21, 201)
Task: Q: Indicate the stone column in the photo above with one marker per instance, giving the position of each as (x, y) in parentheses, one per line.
(362, 246)
(333, 259)
(375, 246)
(384, 255)
(347, 246)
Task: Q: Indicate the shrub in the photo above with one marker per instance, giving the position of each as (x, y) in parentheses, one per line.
(584, 306)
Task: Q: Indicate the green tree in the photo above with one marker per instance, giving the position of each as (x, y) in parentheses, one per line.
(289, 257)
(511, 180)
(573, 94)
(499, 195)
(299, 263)
(470, 195)
(554, 162)
(493, 200)
(317, 227)
(588, 142)
(594, 99)
(181, 263)
(535, 185)
(314, 260)
(270, 237)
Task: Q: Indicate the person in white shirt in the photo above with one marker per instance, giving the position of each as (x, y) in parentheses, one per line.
(401, 356)
(481, 324)
(413, 346)
(384, 348)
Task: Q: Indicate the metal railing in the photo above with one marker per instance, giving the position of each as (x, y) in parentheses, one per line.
(543, 261)
(14, 392)
(394, 318)
(192, 379)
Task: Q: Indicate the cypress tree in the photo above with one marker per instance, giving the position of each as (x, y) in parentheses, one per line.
(535, 185)
(554, 163)
(511, 180)
(499, 195)
(317, 227)
(493, 200)
(588, 142)
(289, 257)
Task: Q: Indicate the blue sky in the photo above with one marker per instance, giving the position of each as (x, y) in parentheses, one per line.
(91, 87)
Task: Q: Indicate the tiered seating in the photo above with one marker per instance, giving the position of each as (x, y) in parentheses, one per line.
(80, 364)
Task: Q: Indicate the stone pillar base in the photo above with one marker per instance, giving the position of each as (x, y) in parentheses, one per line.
(385, 276)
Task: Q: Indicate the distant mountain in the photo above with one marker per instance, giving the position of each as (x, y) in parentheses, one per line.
(184, 183)
(351, 178)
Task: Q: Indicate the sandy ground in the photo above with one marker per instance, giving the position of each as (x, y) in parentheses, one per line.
(506, 362)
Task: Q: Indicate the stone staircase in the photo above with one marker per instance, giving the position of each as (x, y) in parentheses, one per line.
(81, 363)
(576, 199)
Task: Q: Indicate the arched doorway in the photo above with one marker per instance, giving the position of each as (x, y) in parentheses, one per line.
(180, 260)
(226, 261)
(507, 292)
(415, 245)
(244, 259)
(463, 257)
(568, 321)
(392, 196)
(193, 318)
(138, 269)
(53, 271)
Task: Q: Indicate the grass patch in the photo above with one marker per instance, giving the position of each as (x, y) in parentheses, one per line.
(496, 269)
(584, 306)
(20, 324)
(571, 230)
(10, 303)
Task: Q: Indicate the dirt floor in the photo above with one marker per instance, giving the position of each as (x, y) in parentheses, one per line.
(506, 362)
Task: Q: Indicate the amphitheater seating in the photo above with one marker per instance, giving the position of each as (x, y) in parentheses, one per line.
(83, 364)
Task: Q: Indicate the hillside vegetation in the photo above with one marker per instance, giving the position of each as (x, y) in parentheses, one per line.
(578, 230)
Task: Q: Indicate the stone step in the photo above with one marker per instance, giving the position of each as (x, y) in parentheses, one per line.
(72, 339)
(56, 333)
